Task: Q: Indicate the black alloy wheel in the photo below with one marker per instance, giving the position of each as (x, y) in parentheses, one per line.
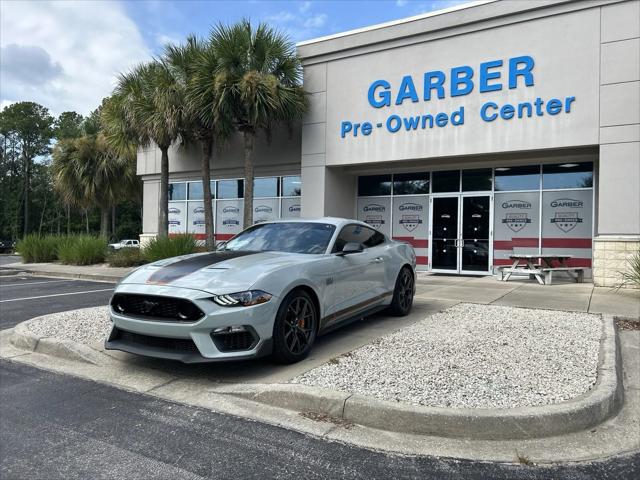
(403, 293)
(294, 331)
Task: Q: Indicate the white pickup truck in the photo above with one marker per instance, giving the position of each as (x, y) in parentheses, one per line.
(125, 244)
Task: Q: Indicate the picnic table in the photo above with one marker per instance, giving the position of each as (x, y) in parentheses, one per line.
(541, 267)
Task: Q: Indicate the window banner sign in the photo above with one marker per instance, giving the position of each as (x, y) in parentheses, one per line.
(376, 211)
(177, 218)
(411, 224)
(229, 218)
(265, 210)
(567, 225)
(195, 218)
(291, 207)
(516, 225)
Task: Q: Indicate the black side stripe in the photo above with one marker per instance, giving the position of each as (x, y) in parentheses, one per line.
(183, 268)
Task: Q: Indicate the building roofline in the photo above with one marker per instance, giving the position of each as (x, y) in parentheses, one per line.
(377, 26)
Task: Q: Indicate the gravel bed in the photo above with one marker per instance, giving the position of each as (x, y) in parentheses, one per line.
(474, 356)
(87, 325)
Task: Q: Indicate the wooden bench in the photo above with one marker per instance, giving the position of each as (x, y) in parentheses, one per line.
(576, 273)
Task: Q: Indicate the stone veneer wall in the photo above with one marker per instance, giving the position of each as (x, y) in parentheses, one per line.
(610, 257)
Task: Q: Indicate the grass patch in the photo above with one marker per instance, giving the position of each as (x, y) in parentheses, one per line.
(39, 248)
(167, 247)
(126, 257)
(631, 276)
(82, 250)
(523, 459)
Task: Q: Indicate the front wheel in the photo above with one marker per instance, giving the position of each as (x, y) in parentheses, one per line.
(295, 327)
(403, 293)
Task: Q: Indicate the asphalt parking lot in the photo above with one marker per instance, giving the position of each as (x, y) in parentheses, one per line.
(23, 297)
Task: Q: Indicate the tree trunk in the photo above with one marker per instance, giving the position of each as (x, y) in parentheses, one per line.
(44, 209)
(248, 178)
(68, 219)
(104, 222)
(86, 216)
(163, 211)
(27, 178)
(207, 149)
(113, 220)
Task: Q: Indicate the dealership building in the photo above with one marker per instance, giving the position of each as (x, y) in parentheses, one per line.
(473, 133)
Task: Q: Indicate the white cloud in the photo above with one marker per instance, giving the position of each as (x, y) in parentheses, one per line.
(300, 23)
(316, 21)
(65, 55)
(401, 3)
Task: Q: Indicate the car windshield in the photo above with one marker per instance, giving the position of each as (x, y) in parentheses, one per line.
(292, 237)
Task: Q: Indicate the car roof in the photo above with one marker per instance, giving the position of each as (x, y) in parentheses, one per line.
(337, 221)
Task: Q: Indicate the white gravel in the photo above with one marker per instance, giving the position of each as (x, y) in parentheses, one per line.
(88, 325)
(474, 356)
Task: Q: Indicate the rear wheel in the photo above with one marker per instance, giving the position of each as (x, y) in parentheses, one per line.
(294, 330)
(403, 293)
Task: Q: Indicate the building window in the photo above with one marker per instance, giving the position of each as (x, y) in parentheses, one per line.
(265, 187)
(567, 175)
(195, 190)
(410, 183)
(448, 181)
(230, 189)
(476, 180)
(517, 178)
(177, 191)
(291, 186)
(374, 185)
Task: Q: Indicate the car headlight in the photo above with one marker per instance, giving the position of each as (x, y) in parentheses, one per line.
(242, 299)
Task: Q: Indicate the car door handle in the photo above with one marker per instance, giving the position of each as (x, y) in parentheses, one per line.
(377, 260)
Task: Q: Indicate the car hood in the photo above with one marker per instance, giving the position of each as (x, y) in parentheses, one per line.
(216, 272)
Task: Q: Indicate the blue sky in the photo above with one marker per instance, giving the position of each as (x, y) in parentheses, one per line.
(66, 55)
(161, 21)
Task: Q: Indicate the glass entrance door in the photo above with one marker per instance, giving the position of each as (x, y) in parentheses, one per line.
(475, 240)
(444, 234)
(461, 234)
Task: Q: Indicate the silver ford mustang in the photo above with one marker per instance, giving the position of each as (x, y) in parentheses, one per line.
(272, 289)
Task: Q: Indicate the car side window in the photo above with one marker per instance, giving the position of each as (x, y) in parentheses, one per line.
(366, 236)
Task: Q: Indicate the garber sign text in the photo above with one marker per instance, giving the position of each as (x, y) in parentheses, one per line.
(492, 76)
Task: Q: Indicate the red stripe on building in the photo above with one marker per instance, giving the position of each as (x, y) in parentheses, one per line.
(224, 236)
(414, 242)
(515, 242)
(567, 243)
(422, 260)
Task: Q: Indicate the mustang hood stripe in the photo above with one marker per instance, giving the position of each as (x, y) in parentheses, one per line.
(183, 268)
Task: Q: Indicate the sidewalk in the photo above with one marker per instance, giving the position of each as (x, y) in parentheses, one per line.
(570, 296)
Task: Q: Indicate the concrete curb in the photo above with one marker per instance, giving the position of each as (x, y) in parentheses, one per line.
(584, 412)
(75, 276)
(23, 339)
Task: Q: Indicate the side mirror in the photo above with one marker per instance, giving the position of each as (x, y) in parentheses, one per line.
(351, 247)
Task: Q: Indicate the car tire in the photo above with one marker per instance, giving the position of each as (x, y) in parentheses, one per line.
(295, 327)
(403, 293)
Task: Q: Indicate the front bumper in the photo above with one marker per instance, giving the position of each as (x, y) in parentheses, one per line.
(191, 342)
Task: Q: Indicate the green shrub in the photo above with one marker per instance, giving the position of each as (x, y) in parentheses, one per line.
(160, 248)
(631, 276)
(82, 250)
(126, 257)
(38, 248)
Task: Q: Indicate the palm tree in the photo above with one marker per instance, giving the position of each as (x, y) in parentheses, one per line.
(194, 64)
(88, 172)
(148, 107)
(257, 85)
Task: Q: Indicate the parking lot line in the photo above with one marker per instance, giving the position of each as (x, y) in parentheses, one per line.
(55, 295)
(33, 283)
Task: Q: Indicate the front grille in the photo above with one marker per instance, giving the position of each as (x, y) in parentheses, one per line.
(229, 342)
(169, 344)
(153, 307)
